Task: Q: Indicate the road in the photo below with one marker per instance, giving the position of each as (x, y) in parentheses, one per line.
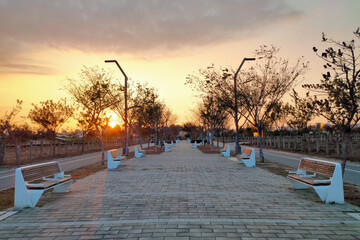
(7, 176)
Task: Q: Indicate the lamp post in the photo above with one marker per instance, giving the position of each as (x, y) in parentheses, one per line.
(237, 146)
(126, 107)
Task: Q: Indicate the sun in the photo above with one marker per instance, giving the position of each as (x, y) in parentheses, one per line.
(112, 123)
(113, 120)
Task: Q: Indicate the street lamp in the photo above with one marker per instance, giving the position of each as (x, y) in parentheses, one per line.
(126, 107)
(237, 146)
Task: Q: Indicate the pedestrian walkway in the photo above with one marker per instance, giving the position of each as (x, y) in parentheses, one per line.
(183, 194)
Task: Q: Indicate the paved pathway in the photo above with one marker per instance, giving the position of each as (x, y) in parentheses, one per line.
(183, 194)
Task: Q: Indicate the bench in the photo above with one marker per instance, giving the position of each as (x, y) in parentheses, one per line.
(225, 151)
(247, 157)
(31, 181)
(167, 148)
(194, 145)
(172, 144)
(330, 190)
(139, 152)
(115, 159)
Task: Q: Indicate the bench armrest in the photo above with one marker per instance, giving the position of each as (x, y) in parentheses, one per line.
(319, 181)
(35, 184)
(50, 179)
(292, 172)
(304, 175)
(67, 175)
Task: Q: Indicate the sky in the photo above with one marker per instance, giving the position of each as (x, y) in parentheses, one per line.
(156, 41)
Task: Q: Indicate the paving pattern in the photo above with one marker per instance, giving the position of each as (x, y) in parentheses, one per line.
(183, 194)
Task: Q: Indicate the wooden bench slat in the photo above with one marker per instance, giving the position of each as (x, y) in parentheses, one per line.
(317, 167)
(48, 184)
(37, 172)
(119, 159)
(308, 180)
(247, 151)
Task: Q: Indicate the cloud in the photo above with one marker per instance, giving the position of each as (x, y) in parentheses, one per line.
(131, 26)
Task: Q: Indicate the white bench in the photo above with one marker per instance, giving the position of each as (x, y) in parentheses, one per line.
(247, 157)
(194, 145)
(31, 182)
(225, 151)
(330, 190)
(167, 148)
(139, 152)
(115, 159)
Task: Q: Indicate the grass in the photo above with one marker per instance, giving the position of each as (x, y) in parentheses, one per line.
(207, 149)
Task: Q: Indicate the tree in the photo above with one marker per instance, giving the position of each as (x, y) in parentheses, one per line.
(213, 115)
(219, 83)
(168, 117)
(263, 86)
(153, 114)
(51, 115)
(301, 113)
(6, 124)
(337, 97)
(95, 92)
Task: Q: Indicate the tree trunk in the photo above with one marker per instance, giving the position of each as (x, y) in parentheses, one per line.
(261, 144)
(212, 139)
(156, 139)
(223, 137)
(17, 147)
(344, 138)
(102, 145)
(140, 134)
(2, 152)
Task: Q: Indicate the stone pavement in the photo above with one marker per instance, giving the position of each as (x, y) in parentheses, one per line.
(183, 194)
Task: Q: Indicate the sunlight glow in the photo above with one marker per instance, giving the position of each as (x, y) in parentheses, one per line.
(113, 119)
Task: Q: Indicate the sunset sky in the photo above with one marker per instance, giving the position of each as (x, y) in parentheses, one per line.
(158, 41)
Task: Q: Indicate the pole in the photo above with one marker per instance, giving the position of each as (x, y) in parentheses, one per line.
(126, 141)
(237, 146)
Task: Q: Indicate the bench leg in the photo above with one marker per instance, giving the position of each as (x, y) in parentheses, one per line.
(297, 184)
(249, 163)
(327, 195)
(322, 191)
(63, 187)
(28, 199)
(113, 164)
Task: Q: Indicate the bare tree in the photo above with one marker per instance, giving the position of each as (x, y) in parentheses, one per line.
(51, 115)
(6, 124)
(264, 85)
(95, 92)
(301, 113)
(337, 97)
(213, 115)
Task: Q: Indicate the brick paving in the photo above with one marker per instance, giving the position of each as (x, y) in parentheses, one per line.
(183, 194)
